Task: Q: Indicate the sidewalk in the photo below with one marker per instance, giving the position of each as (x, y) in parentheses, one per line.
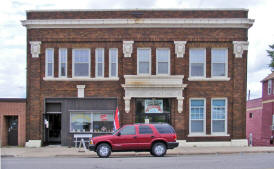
(61, 151)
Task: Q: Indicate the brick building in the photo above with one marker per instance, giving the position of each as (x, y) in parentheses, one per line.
(260, 115)
(184, 67)
(13, 121)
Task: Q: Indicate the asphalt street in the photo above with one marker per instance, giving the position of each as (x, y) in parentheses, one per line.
(218, 161)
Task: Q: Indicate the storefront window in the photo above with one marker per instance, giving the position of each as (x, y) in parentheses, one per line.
(103, 123)
(152, 111)
(91, 122)
(80, 122)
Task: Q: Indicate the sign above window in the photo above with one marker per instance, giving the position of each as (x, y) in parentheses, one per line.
(153, 106)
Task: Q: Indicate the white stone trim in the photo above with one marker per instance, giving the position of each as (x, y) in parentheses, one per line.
(81, 91)
(81, 79)
(140, 23)
(180, 48)
(233, 142)
(127, 48)
(33, 143)
(208, 78)
(154, 86)
(239, 47)
(35, 48)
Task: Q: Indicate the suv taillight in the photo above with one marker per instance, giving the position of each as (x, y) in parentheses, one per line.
(175, 137)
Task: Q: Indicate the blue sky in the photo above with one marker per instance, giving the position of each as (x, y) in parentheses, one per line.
(13, 35)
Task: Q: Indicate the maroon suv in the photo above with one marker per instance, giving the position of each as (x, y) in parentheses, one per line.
(155, 138)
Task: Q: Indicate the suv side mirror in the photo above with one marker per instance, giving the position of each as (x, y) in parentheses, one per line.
(118, 134)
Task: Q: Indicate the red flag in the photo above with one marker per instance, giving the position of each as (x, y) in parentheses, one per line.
(116, 120)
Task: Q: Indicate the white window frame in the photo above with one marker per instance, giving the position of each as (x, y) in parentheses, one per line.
(73, 55)
(138, 62)
(157, 61)
(46, 63)
(226, 105)
(226, 62)
(66, 72)
(111, 63)
(204, 49)
(204, 120)
(269, 86)
(96, 63)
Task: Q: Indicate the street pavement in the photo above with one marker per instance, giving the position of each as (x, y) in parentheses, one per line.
(209, 161)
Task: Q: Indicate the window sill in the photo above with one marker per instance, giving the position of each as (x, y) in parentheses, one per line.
(80, 79)
(207, 135)
(208, 78)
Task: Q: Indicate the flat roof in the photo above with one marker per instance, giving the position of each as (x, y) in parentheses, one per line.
(140, 9)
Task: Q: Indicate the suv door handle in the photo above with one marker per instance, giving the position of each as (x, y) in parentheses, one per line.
(152, 136)
(135, 137)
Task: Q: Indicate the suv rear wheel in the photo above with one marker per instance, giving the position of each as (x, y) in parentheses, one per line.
(103, 150)
(158, 149)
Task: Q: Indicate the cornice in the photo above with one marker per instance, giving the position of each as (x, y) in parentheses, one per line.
(141, 23)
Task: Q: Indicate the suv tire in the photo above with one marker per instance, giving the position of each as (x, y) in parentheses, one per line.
(103, 150)
(158, 149)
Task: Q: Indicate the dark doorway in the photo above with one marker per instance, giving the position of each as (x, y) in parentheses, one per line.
(12, 127)
(53, 128)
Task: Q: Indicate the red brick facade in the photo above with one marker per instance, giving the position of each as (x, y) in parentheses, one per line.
(234, 89)
(13, 107)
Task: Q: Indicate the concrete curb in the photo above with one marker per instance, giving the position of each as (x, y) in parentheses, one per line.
(134, 154)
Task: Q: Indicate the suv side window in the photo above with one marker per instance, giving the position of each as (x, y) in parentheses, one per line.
(145, 130)
(128, 130)
(164, 129)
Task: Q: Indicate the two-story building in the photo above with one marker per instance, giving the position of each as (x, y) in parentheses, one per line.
(260, 115)
(183, 67)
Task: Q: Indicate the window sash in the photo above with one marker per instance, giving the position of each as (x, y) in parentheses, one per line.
(99, 54)
(81, 62)
(163, 61)
(219, 62)
(144, 60)
(62, 62)
(219, 116)
(269, 85)
(113, 62)
(49, 72)
(197, 116)
(197, 62)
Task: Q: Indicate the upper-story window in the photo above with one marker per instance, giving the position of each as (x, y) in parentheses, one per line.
(218, 116)
(219, 62)
(143, 61)
(197, 58)
(99, 54)
(113, 62)
(163, 61)
(81, 63)
(62, 62)
(197, 116)
(269, 85)
(49, 62)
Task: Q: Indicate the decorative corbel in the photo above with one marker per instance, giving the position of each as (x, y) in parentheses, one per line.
(127, 104)
(239, 47)
(180, 104)
(180, 48)
(35, 48)
(127, 48)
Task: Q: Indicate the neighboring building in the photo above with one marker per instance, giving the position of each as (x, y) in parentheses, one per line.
(260, 115)
(12, 121)
(183, 67)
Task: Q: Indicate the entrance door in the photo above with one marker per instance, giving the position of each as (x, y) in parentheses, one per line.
(12, 126)
(54, 128)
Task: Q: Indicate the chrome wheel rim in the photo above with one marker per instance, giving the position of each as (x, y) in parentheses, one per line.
(159, 150)
(104, 150)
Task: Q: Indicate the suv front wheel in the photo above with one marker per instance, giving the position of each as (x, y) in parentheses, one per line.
(158, 149)
(103, 150)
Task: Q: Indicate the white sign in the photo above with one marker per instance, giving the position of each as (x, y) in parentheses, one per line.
(153, 106)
